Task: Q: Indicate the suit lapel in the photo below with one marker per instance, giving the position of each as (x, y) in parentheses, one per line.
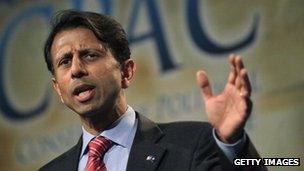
(145, 153)
(72, 157)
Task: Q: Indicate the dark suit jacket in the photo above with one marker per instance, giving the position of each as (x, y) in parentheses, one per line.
(179, 146)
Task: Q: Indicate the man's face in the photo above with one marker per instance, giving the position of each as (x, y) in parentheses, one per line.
(86, 75)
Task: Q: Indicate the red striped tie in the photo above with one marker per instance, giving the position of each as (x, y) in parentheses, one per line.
(97, 148)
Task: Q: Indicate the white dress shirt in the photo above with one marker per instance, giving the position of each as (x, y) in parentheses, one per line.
(122, 133)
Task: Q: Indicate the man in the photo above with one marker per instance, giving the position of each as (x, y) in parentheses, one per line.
(89, 58)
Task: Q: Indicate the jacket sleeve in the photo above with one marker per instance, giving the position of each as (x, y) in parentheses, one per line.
(208, 156)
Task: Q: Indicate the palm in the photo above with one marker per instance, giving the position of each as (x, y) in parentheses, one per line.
(225, 111)
(228, 111)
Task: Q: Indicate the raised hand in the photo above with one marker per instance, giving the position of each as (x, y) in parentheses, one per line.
(229, 110)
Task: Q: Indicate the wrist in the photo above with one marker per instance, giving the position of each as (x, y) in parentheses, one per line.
(229, 139)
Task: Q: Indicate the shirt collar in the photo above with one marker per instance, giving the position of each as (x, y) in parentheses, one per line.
(120, 133)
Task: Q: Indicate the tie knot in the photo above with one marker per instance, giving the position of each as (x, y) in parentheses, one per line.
(99, 146)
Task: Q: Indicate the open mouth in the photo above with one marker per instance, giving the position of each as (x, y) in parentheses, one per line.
(83, 92)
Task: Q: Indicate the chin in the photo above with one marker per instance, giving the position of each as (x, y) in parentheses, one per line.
(85, 112)
(90, 111)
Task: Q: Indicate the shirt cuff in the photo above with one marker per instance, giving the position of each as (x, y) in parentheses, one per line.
(230, 150)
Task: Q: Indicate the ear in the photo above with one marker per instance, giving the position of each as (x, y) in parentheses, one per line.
(127, 72)
(57, 89)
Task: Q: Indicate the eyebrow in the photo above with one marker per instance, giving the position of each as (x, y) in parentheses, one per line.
(65, 55)
(81, 53)
(88, 50)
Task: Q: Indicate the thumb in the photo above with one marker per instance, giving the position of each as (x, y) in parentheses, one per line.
(203, 83)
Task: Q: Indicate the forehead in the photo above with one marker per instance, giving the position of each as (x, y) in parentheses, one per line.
(74, 39)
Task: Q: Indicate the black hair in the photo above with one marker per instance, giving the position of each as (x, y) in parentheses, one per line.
(105, 28)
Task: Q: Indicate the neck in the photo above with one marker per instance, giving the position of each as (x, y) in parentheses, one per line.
(99, 122)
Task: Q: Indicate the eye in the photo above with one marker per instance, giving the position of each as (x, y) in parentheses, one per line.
(91, 56)
(64, 61)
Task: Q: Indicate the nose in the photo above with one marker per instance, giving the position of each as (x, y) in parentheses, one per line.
(78, 69)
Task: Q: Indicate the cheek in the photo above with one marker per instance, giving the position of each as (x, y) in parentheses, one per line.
(64, 90)
(108, 73)
(62, 76)
(63, 86)
(110, 82)
(116, 78)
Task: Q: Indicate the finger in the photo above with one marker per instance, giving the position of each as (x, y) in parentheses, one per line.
(238, 83)
(242, 83)
(238, 62)
(246, 82)
(245, 87)
(245, 77)
(232, 73)
(203, 83)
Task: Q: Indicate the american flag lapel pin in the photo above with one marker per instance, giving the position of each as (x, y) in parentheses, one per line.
(150, 158)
